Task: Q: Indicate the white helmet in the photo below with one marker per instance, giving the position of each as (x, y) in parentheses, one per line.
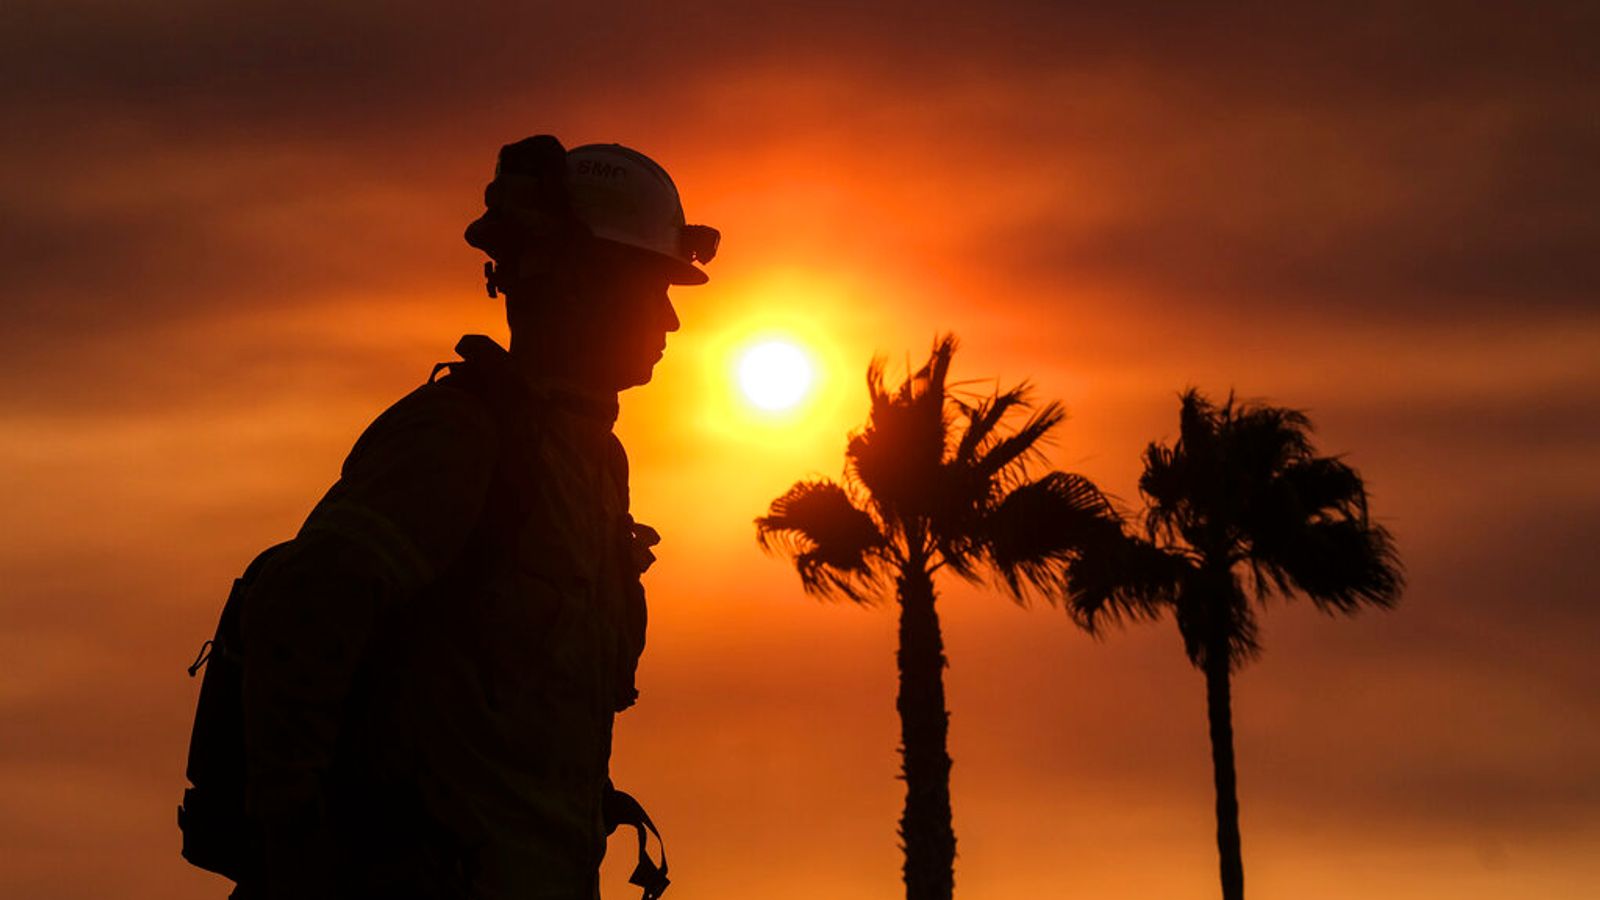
(625, 197)
(609, 191)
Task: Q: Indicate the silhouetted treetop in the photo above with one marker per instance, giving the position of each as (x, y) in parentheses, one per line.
(936, 479)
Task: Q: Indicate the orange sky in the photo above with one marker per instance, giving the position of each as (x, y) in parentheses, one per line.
(229, 238)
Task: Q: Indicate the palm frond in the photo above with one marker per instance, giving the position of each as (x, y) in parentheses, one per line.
(1038, 528)
(934, 374)
(1199, 420)
(966, 491)
(982, 419)
(1323, 484)
(836, 546)
(1216, 618)
(1164, 485)
(1021, 444)
(1340, 565)
(896, 457)
(1123, 579)
(1280, 510)
(1262, 439)
(959, 500)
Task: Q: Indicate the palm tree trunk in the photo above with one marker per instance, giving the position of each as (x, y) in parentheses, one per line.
(925, 826)
(1219, 710)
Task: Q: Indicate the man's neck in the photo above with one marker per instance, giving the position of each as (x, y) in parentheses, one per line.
(544, 362)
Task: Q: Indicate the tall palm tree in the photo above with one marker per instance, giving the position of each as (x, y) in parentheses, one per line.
(934, 481)
(1240, 508)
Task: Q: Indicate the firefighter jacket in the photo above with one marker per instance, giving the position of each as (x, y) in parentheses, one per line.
(434, 663)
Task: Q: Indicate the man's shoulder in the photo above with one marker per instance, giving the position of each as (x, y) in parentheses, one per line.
(440, 413)
(414, 484)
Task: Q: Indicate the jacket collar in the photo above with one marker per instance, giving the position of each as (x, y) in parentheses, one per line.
(589, 403)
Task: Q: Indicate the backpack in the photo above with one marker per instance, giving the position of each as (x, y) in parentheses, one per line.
(217, 835)
(215, 830)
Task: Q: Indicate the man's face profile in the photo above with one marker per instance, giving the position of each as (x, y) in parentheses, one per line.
(632, 311)
(609, 326)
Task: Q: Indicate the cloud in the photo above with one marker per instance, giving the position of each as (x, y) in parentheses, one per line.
(1370, 161)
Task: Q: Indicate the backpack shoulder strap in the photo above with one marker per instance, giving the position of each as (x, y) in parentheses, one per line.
(484, 371)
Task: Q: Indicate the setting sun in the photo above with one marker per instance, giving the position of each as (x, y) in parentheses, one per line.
(774, 375)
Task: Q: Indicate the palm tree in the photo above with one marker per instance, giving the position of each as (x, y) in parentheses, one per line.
(933, 481)
(1238, 509)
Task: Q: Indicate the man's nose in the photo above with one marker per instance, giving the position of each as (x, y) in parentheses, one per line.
(670, 320)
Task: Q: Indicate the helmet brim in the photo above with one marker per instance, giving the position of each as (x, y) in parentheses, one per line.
(488, 233)
(679, 271)
(684, 273)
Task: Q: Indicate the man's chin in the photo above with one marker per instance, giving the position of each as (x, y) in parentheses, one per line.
(636, 376)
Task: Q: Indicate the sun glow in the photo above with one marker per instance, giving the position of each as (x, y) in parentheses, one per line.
(775, 375)
(792, 405)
